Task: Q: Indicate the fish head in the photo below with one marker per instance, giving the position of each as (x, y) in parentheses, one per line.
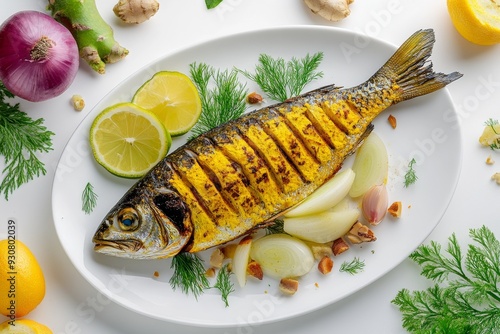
(145, 224)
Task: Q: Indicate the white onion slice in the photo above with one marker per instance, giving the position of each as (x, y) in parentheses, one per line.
(282, 256)
(323, 227)
(325, 197)
(240, 260)
(371, 165)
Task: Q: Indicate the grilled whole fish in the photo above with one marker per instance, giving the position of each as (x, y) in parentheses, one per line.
(236, 177)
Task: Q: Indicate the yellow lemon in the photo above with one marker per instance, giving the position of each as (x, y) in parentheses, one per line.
(22, 284)
(476, 20)
(128, 140)
(173, 98)
(23, 326)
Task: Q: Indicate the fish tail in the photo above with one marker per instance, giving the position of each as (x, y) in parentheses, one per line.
(410, 69)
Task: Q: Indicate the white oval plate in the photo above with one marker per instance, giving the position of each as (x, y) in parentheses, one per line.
(427, 130)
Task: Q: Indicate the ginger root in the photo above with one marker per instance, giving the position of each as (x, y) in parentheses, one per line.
(93, 35)
(136, 11)
(332, 10)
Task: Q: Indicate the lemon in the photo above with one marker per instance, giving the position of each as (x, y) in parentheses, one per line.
(476, 20)
(22, 284)
(128, 140)
(23, 326)
(172, 97)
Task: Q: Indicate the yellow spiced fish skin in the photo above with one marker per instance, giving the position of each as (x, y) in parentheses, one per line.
(243, 174)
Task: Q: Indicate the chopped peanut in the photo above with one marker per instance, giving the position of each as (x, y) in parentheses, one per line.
(339, 246)
(489, 160)
(254, 269)
(228, 250)
(254, 98)
(210, 272)
(395, 209)
(496, 177)
(216, 258)
(320, 250)
(325, 265)
(289, 286)
(360, 233)
(78, 102)
(156, 274)
(392, 121)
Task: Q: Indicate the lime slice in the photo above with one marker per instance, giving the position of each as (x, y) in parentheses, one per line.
(128, 140)
(173, 98)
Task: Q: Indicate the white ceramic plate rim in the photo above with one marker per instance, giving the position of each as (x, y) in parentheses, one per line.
(258, 305)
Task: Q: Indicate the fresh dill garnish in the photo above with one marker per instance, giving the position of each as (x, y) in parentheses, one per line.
(282, 80)
(89, 198)
(21, 139)
(189, 274)
(276, 227)
(224, 284)
(466, 295)
(212, 3)
(354, 267)
(410, 176)
(491, 123)
(220, 104)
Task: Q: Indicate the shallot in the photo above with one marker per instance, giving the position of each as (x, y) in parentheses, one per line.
(38, 56)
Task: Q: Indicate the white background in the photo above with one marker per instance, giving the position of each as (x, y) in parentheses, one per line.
(71, 305)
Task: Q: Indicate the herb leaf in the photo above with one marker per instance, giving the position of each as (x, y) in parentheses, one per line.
(469, 302)
(281, 80)
(410, 176)
(21, 139)
(354, 267)
(220, 104)
(89, 199)
(276, 227)
(189, 274)
(224, 284)
(212, 3)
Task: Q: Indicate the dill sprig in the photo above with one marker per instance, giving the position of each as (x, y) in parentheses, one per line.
(282, 80)
(492, 124)
(354, 267)
(410, 176)
(21, 139)
(89, 198)
(276, 227)
(466, 294)
(220, 104)
(189, 274)
(224, 284)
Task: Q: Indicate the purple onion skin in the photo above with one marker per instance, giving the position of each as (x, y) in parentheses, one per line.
(42, 77)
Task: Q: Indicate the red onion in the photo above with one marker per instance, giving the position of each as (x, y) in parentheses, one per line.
(38, 56)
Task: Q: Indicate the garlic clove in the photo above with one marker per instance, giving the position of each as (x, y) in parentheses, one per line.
(374, 204)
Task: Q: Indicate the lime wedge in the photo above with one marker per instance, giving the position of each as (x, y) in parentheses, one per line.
(173, 98)
(128, 140)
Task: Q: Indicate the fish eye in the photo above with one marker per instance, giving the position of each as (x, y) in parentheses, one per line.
(128, 219)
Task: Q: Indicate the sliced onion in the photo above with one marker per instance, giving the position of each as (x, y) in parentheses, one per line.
(38, 56)
(240, 260)
(371, 165)
(325, 197)
(282, 256)
(323, 227)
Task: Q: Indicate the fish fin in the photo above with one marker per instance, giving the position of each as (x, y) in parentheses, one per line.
(410, 69)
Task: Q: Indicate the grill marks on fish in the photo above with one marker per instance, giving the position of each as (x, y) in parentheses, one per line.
(257, 168)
